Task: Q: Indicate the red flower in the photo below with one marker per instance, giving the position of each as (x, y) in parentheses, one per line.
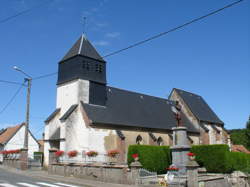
(7, 152)
(59, 153)
(190, 154)
(72, 153)
(135, 155)
(113, 153)
(92, 153)
(172, 168)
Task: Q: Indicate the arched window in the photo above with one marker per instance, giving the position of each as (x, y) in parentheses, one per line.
(139, 139)
(160, 141)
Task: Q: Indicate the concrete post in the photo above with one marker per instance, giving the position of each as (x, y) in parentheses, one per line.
(192, 173)
(52, 156)
(135, 166)
(23, 160)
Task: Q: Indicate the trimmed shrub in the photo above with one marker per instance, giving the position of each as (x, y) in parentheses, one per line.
(239, 161)
(213, 157)
(218, 159)
(152, 158)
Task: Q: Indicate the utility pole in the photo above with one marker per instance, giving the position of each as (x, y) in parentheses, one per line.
(27, 79)
(26, 136)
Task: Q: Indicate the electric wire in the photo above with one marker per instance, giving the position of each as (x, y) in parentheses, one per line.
(11, 82)
(12, 99)
(173, 29)
(158, 35)
(24, 11)
(44, 76)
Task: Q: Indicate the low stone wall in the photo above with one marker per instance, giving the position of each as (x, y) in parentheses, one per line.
(15, 163)
(107, 173)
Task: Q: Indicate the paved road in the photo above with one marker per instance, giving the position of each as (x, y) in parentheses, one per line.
(10, 179)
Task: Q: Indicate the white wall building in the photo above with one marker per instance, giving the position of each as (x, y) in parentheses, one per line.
(12, 138)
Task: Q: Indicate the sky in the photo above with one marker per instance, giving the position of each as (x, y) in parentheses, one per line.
(209, 58)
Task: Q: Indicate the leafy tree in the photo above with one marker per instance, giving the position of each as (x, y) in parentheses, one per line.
(241, 136)
(248, 124)
(248, 132)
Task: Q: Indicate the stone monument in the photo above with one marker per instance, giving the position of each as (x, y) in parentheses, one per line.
(180, 146)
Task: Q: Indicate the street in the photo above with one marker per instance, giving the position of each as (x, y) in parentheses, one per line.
(10, 179)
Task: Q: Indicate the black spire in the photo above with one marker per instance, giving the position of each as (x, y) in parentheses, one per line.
(84, 48)
(82, 61)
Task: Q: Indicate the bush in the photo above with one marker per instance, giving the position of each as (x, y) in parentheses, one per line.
(152, 158)
(239, 161)
(213, 157)
(218, 159)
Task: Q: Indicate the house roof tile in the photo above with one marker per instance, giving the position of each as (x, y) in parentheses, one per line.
(9, 133)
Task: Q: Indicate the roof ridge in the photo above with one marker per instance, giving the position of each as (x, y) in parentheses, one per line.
(187, 92)
(139, 93)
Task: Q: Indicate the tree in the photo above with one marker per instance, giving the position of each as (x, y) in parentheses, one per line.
(241, 136)
(248, 124)
(248, 132)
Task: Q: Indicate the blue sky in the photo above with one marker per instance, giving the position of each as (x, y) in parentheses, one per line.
(209, 58)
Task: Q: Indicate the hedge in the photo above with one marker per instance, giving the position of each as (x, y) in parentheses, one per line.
(239, 161)
(215, 158)
(218, 159)
(152, 158)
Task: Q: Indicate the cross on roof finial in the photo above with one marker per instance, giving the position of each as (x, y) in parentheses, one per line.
(84, 25)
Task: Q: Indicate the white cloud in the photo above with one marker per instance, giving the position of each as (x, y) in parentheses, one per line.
(113, 34)
(101, 43)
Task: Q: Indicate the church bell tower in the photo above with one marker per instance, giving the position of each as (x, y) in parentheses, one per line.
(81, 76)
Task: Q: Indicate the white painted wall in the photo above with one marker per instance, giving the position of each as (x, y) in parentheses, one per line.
(67, 95)
(82, 138)
(17, 142)
(72, 93)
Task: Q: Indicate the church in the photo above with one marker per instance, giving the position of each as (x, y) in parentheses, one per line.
(90, 115)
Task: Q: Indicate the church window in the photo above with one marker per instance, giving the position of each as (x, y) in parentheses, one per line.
(139, 140)
(83, 65)
(160, 141)
(88, 66)
(98, 68)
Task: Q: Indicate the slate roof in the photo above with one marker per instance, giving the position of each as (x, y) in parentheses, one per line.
(125, 109)
(82, 47)
(52, 115)
(68, 112)
(9, 133)
(199, 107)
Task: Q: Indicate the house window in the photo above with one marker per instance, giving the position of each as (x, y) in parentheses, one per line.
(139, 140)
(160, 141)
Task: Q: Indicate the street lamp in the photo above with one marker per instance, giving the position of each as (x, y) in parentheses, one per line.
(28, 79)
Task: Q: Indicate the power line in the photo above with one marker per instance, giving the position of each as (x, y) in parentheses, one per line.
(173, 29)
(158, 35)
(44, 76)
(11, 82)
(11, 100)
(24, 11)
